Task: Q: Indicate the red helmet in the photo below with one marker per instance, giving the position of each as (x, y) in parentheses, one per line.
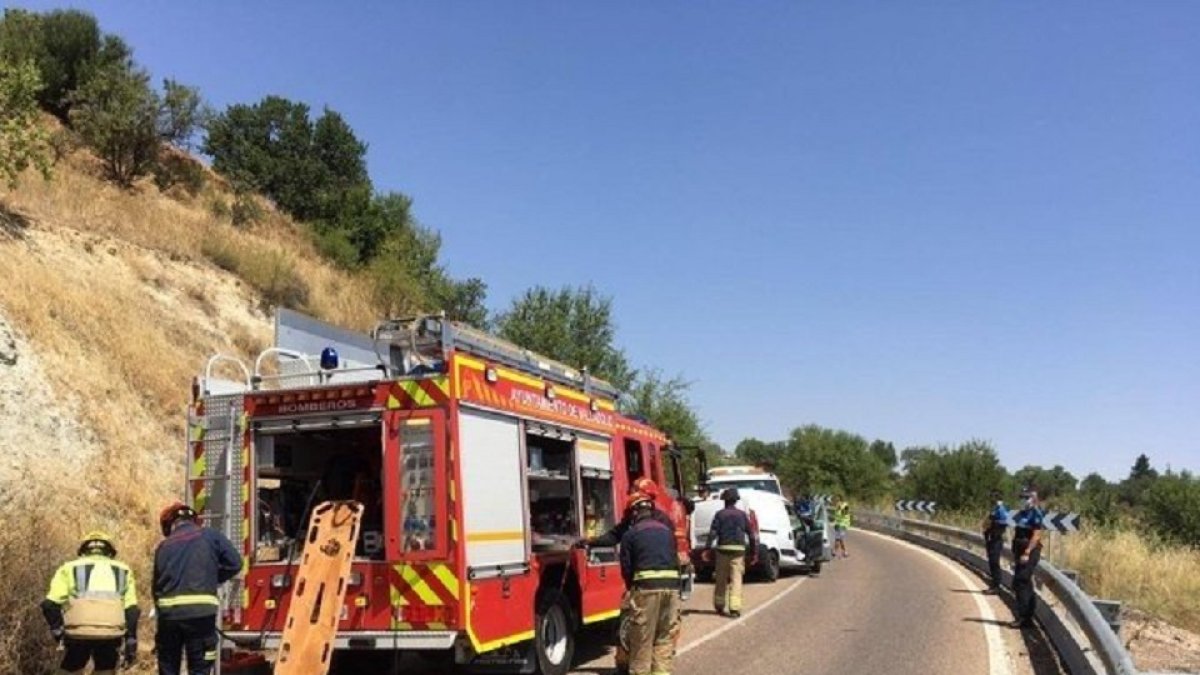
(636, 498)
(172, 513)
(646, 487)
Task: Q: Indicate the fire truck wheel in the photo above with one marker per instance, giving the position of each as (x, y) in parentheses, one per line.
(554, 638)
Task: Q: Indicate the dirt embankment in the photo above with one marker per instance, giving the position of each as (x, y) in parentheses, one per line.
(39, 430)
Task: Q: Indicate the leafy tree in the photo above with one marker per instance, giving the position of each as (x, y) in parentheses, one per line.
(886, 452)
(116, 113)
(1141, 469)
(817, 459)
(664, 403)
(1098, 500)
(314, 171)
(572, 325)
(21, 41)
(1172, 506)
(23, 143)
(464, 301)
(760, 453)
(956, 478)
(181, 115)
(1050, 483)
(1141, 478)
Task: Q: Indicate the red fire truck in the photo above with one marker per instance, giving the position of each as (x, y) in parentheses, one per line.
(478, 464)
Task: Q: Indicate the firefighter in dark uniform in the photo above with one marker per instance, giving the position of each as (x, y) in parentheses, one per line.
(731, 532)
(650, 611)
(1027, 551)
(189, 566)
(647, 489)
(995, 526)
(92, 608)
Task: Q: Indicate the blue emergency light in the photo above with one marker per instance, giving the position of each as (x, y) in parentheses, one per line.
(329, 359)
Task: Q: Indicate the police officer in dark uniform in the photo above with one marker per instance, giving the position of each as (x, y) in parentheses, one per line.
(995, 525)
(1027, 551)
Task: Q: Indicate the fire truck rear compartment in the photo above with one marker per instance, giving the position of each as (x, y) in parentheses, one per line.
(299, 469)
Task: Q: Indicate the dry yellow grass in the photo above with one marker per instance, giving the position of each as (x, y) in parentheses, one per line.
(1124, 563)
(1163, 580)
(117, 293)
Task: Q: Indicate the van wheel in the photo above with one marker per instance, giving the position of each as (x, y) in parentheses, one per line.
(554, 638)
(771, 568)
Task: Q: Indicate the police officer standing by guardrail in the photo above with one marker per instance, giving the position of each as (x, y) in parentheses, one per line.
(995, 525)
(1027, 552)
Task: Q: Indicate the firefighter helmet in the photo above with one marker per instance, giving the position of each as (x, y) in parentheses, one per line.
(172, 513)
(637, 499)
(646, 487)
(97, 542)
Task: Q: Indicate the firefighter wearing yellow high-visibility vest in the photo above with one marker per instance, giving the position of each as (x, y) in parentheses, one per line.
(732, 533)
(650, 611)
(92, 608)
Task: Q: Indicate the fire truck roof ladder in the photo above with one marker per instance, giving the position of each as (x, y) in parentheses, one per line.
(422, 336)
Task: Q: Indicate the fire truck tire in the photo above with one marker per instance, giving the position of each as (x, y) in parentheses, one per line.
(554, 636)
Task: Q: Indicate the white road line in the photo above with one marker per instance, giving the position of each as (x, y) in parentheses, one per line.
(737, 622)
(998, 662)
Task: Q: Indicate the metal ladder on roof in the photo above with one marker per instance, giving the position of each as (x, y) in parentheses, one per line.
(432, 333)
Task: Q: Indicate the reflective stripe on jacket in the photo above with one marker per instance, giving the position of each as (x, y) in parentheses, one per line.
(648, 557)
(731, 530)
(97, 595)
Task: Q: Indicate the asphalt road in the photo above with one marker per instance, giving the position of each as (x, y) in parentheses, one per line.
(889, 608)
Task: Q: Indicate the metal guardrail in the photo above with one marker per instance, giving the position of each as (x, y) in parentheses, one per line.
(1083, 638)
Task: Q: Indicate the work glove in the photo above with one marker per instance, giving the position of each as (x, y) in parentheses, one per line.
(130, 652)
(57, 634)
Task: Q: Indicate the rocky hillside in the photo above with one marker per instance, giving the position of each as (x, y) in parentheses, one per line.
(110, 301)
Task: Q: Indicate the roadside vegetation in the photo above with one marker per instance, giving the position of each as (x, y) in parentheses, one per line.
(1141, 536)
(128, 259)
(146, 259)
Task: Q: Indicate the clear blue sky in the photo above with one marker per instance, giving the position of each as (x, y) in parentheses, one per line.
(919, 221)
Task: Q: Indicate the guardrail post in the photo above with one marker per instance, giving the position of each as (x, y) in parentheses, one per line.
(1111, 611)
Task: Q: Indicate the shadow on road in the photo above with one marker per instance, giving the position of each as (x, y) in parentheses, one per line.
(990, 622)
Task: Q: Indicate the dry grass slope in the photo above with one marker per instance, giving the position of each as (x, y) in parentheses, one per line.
(123, 294)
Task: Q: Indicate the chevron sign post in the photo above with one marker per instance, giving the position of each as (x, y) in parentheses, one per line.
(916, 505)
(1062, 522)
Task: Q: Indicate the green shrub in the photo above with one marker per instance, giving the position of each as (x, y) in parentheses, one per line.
(245, 210)
(1172, 507)
(173, 169)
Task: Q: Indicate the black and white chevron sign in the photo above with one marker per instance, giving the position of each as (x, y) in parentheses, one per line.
(822, 499)
(916, 505)
(1062, 522)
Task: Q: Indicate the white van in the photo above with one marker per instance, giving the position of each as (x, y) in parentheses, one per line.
(770, 512)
